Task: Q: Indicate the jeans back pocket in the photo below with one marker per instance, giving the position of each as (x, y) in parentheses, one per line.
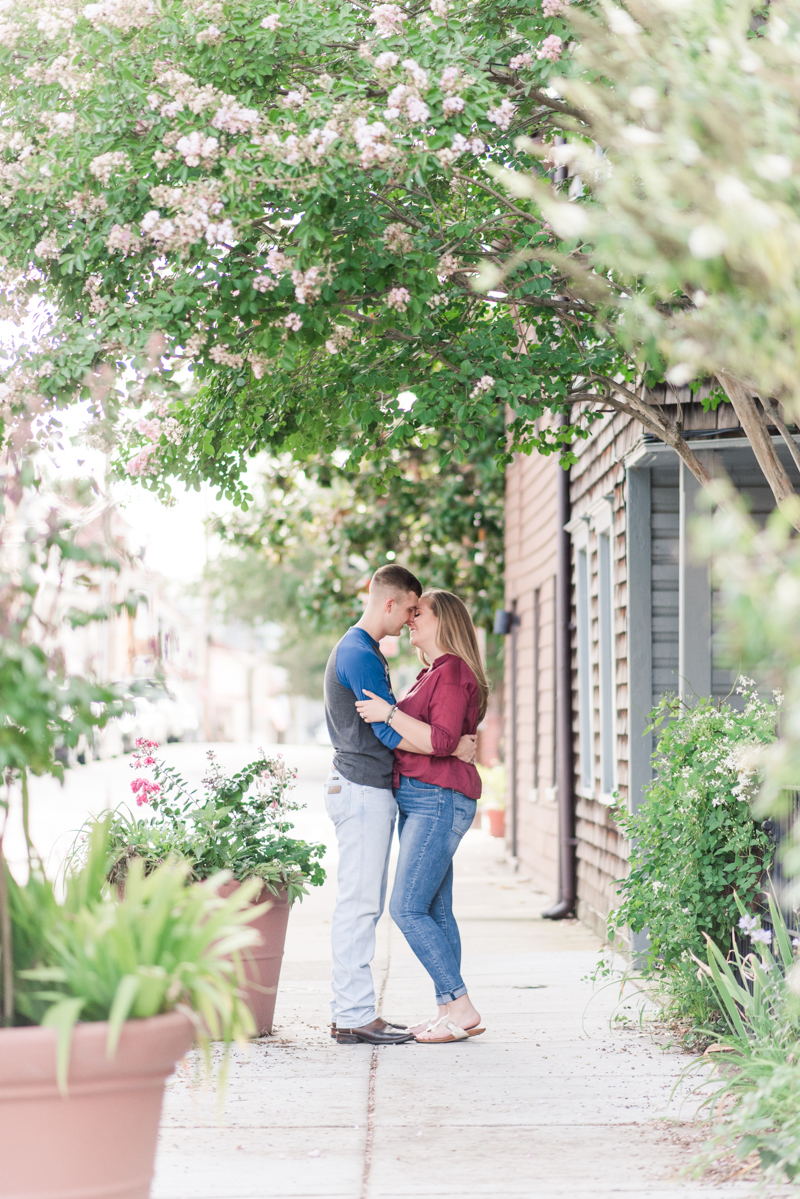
(463, 813)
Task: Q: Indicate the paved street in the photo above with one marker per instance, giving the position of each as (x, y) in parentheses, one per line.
(551, 1101)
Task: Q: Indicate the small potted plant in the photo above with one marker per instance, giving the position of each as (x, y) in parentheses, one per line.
(236, 823)
(493, 798)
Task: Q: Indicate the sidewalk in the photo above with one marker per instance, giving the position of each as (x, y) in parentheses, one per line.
(550, 1101)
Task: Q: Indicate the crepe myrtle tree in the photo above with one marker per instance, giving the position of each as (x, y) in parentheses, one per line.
(267, 219)
(333, 523)
(687, 234)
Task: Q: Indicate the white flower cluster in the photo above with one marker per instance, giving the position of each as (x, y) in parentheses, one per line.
(155, 428)
(339, 338)
(374, 141)
(194, 344)
(230, 117)
(193, 207)
(295, 98)
(448, 265)
(55, 20)
(440, 8)
(386, 61)
(398, 299)
(194, 147)
(397, 238)
(123, 239)
(94, 286)
(106, 165)
(10, 32)
(388, 19)
(437, 300)
(311, 148)
(209, 36)
(224, 357)
(307, 284)
(63, 122)
(264, 283)
(460, 144)
(503, 115)
(551, 8)
(124, 15)
(47, 248)
(87, 203)
(272, 22)
(521, 60)
(293, 321)
(484, 384)
(259, 364)
(452, 104)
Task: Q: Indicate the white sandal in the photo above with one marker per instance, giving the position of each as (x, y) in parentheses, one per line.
(456, 1033)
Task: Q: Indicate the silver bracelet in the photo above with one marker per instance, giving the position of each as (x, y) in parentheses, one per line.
(390, 717)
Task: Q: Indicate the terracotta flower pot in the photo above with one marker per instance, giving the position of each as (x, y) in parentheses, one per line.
(497, 821)
(262, 963)
(99, 1141)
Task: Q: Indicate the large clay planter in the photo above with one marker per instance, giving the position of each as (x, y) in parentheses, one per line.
(262, 963)
(497, 822)
(98, 1142)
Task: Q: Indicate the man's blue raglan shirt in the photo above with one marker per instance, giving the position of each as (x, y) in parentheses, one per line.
(360, 666)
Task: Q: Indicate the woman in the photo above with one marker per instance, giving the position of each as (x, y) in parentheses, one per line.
(437, 797)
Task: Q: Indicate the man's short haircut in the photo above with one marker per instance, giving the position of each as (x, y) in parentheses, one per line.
(395, 578)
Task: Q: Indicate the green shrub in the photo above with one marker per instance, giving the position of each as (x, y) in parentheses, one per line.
(695, 845)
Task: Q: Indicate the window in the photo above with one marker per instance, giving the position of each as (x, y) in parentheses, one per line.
(584, 667)
(608, 707)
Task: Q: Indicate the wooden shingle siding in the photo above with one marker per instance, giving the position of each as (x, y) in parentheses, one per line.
(530, 569)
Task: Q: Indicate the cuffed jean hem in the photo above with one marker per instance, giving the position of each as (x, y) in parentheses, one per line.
(451, 996)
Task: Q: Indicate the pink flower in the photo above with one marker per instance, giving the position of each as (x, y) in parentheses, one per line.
(398, 298)
(272, 22)
(293, 321)
(551, 48)
(450, 80)
(387, 60)
(453, 104)
(388, 19)
(551, 8)
(143, 463)
(417, 110)
(144, 790)
(503, 115)
(521, 60)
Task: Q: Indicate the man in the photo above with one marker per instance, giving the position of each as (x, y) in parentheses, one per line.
(360, 801)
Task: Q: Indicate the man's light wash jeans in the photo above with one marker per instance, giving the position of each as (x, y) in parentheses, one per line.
(364, 819)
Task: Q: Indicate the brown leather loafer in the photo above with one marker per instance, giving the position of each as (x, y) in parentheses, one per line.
(379, 1021)
(379, 1032)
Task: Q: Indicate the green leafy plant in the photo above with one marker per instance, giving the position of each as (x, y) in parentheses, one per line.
(758, 1051)
(98, 956)
(238, 824)
(695, 844)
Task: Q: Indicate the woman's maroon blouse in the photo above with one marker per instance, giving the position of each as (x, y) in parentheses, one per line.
(446, 698)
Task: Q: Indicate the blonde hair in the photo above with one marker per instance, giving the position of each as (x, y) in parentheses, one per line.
(456, 635)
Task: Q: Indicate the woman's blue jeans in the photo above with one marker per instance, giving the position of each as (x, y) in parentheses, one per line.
(431, 822)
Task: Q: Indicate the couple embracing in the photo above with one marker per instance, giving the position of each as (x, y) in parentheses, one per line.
(412, 763)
